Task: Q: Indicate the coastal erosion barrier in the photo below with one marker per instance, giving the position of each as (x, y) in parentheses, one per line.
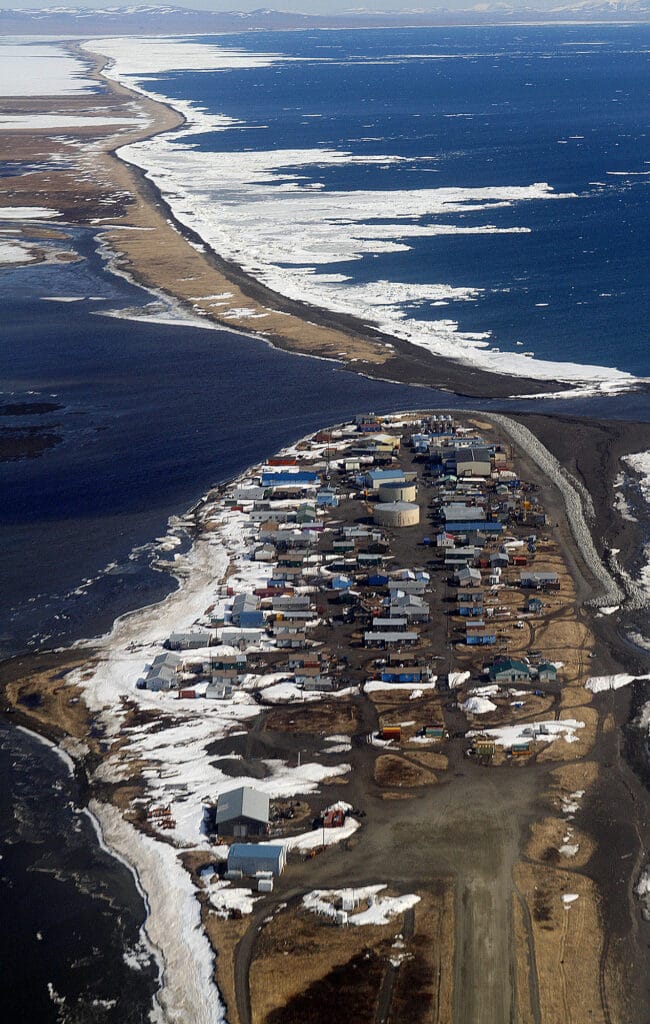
(578, 503)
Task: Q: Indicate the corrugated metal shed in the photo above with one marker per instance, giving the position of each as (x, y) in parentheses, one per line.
(253, 858)
(243, 802)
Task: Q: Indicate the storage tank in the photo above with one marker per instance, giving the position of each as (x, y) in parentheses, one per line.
(396, 513)
(393, 490)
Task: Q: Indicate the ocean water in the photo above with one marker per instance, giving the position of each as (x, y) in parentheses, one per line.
(152, 415)
(70, 942)
(481, 191)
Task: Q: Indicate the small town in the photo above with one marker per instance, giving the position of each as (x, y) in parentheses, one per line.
(369, 697)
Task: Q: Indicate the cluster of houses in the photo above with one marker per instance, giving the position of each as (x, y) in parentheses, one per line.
(308, 557)
(317, 533)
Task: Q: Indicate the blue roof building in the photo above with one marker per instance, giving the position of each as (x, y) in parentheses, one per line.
(253, 858)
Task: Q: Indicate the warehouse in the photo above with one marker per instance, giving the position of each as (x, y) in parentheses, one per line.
(473, 462)
(242, 812)
(257, 858)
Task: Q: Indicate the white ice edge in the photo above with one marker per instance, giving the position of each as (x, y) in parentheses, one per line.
(241, 209)
(173, 925)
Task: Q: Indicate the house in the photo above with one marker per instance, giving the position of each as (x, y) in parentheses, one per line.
(245, 612)
(477, 634)
(188, 641)
(499, 560)
(398, 587)
(327, 498)
(546, 672)
(534, 605)
(319, 684)
(445, 540)
(377, 580)
(508, 670)
(218, 691)
(404, 674)
(539, 580)
(242, 812)
(385, 639)
(340, 583)
(257, 858)
(462, 555)
(467, 577)
(409, 606)
(393, 623)
(162, 674)
(469, 607)
(265, 553)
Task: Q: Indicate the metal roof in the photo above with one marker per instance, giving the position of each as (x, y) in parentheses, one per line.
(252, 852)
(458, 512)
(243, 802)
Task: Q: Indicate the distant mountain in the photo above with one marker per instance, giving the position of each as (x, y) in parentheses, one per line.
(170, 20)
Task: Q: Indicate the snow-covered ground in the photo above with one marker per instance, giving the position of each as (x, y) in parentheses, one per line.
(599, 683)
(42, 69)
(12, 251)
(43, 122)
(525, 732)
(377, 910)
(23, 213)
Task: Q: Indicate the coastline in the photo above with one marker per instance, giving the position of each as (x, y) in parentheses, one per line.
(148, 244)
(120, 836)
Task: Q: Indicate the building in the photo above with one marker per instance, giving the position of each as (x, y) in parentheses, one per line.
(473, 462)
(162, 674)
(539, 580)
(188, 641)
(257, 858)
(376, 477)
(546, 672)
(459, 512)
(242, 812)
(288, 477)
(508, 670)
(467, 577)
(409, 606)
(246, 612)
(386, 639)
(227, 666)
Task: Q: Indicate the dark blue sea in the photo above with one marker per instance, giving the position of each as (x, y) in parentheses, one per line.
(452, 183)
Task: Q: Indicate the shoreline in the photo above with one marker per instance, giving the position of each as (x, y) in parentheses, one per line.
(157, 244)
(128, 843)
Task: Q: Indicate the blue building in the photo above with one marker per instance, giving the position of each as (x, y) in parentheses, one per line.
(254, 858)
